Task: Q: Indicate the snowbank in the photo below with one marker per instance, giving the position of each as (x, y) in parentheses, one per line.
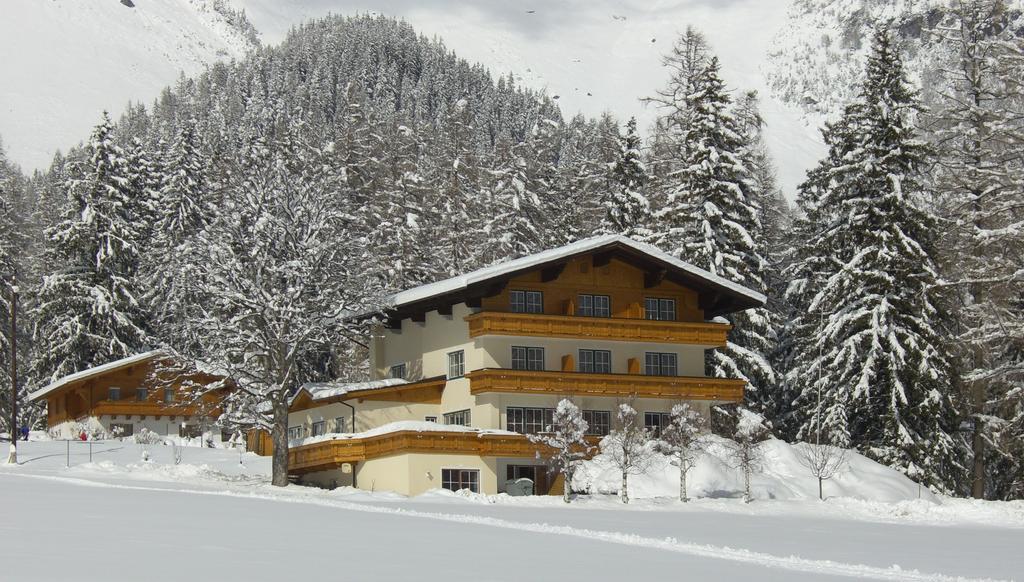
(781, 477)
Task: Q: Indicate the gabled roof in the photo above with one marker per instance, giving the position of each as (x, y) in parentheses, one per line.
(95, 371)
(717, 294)
(316, 394)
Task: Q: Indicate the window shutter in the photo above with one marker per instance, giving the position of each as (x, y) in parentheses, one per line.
(634, 366)
(568, 363)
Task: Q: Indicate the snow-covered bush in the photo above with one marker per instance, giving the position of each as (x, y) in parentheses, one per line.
(147, 437)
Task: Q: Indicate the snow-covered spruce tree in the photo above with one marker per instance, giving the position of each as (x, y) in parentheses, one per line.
(626, 209)
(744, 450)
(87, 310)
(682, 441)
(565, 443)
(174, 287)
(713, 214)
(629, 447)
(870, 335)
(977, 129)
(282, 271)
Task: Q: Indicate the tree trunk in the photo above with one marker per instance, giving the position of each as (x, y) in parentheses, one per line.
(625, 487)
(279, 434)
(821, 495)
(566, 479)
(746, 484)
(682, 484)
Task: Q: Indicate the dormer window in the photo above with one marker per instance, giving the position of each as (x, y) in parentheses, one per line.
(113, 393)
(526, 301)
(594, 305)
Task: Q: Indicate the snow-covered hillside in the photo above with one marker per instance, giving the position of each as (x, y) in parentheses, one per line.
(817, 59)
(595, 55)
(65, 61)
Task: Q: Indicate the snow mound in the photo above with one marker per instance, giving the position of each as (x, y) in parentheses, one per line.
(781, 476)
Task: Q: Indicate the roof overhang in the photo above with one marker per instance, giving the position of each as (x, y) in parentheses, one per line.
(717, 296)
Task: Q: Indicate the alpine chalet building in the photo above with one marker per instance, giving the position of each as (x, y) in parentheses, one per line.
(464, 369)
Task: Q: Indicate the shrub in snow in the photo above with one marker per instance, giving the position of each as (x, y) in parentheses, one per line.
(823, 461)
(681, 441)
(745, 450)
(629, 447)
(147, 437)
(566, 442)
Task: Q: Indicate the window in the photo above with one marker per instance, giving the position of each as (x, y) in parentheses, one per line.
(460, 418)
(295, 432)
(656, 421)
(168, 395)
(658, 364)
(122, 429)
(191, 431)
(458, 479)
(529, 420)
(663, 309)
(456, 364)
(339, 424)
(596, 361)
(430, 418)
(526, 301)
(595, 306)
(524, 358)
(319, 428)
(398, 370)
(113, 393)
(141, 394)
(599, 422)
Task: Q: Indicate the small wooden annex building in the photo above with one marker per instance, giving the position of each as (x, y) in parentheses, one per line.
(124, 396)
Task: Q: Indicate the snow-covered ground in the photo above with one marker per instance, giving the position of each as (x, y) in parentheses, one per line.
(216, 515)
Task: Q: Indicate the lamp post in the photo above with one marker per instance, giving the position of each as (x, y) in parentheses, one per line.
(13, 457)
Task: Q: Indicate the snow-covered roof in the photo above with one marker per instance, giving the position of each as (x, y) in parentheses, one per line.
(462, 282)
(94, 371)
(324, 390)
(399, 426)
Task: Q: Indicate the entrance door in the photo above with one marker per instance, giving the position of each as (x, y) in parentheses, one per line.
(536, 473)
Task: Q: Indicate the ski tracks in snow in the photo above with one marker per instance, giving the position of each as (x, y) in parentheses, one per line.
(794, 563)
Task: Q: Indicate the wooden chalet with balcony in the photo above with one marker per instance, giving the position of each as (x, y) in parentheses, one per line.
(122, 397)
(463, 370)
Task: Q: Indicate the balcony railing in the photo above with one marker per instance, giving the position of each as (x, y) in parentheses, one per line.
(613, 385)
(148, 408)
(602, 328)
(328, 454)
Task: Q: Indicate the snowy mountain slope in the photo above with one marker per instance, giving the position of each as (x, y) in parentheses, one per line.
(598, 55)
(817, 60)
(67, 60)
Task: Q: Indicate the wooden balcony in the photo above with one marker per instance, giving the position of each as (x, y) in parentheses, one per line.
(151, 408)
(613, 385)
(330, 454)
(600, 328)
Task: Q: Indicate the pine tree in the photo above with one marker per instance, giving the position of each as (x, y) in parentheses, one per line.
(626, 209)
(978, 133)
(871, 334)
(87, 311)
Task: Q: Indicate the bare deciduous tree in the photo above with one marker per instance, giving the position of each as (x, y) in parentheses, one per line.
(566, 442)
(629, 447)
(682, 441)
(823, 461)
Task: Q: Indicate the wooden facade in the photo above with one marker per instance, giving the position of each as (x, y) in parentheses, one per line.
(330, 454)
(626, 285)
(91, 395)
(600, 328)
(613, 385)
